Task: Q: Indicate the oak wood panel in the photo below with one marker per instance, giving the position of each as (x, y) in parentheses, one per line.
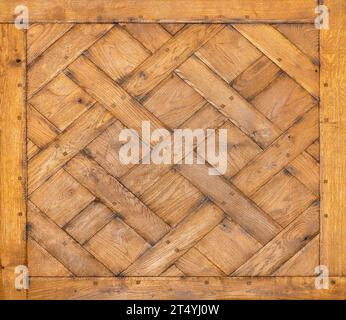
(12, 158)
(187, 288)
(282, 52)
(333, 137)
(161, 10)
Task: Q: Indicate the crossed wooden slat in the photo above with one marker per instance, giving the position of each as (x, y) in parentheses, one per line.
(152, 246)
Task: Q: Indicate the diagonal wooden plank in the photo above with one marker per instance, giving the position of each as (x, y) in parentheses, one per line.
(80, 133)
(152, 36)
(304, 262)
(279, 154)
(117, 197)
(42, 264)
(89, 221)
(284, 53)
(62, 53)
(111, 95)
(41, 36)
(256, 77)
(260, 225)
(177, 242)
(194, 263)
(40, 131)
(228, 101)
(62, 246)
(307, 170)
(283, 246)
(176, 50)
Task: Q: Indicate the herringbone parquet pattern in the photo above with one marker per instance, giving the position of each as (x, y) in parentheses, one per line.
(89, 215)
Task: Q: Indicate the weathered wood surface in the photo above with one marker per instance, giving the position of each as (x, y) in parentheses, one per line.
(166, 288)
(158, 219)
(91, 216)
(164, 11)
(333, 137)
(12, 158)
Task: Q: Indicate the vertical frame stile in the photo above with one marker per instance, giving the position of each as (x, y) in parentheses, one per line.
(12, 158)
(333, 137)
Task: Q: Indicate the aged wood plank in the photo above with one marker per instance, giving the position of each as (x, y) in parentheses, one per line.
(228, 53)
(304, 262)
(123, 106)
(42, 263)
(283, 101)
(117, 245)
(333, 138)
(62, 246)
(228, 101)
(261, 226)
(256, 77)
(164, 11)
(67, 145)
(283, 246)
(89, 221)
(176, 242)
(62, 53)
(42, 36)
(174, 52)
(195, 263)
(61, 198)
(284, 53)
(117, 197)
(12, 155)
(307, 170)
(61, 101)
(40, 130)
(172, 197)
(283, 198)
(172, 271)
(228, 246)
(152, 36)
(279, 154)
(196, 288)
(117, 53)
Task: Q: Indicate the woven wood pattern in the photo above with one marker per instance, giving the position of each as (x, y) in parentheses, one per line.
(90, 215)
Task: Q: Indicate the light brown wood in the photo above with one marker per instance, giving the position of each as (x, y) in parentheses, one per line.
(282, 52)
(263, 288)
(12, 159)
(100, 229)
(164, 11)
(333, 134)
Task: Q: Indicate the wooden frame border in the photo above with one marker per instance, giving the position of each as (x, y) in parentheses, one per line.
(333, 165)
(209, 11)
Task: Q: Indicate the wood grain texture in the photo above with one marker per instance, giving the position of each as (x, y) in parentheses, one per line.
(12, 158)
(206, 288)
(90, 216)
(161, 10)
(333, 140)
(282, 52)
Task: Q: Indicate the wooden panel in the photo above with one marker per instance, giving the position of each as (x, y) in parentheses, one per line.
(91, 216)
(168, 57)
(282, 52)
(161, 10)
(64, 248)
(333, 137)
(190, 288)
(286, 148)
(12, 155)
(62, 53)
